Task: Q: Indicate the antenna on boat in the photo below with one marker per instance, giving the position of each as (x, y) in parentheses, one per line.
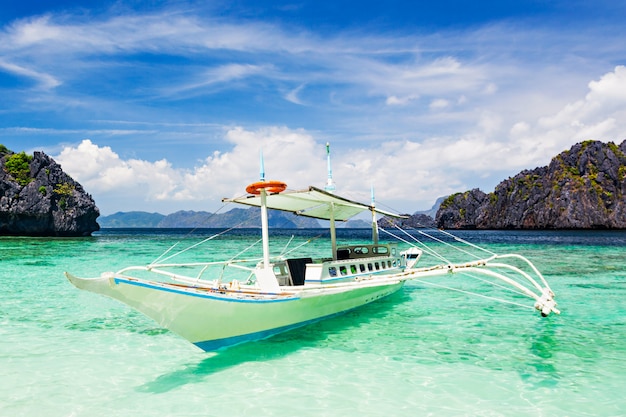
(330, 186)
(374, 222)
(261, 166)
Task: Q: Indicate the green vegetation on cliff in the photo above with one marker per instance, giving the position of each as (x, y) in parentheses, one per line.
(18, 166)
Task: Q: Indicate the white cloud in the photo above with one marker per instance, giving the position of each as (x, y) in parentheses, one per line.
(610, 88)
(439, 103)
(519, 129)
(401, 101)
(288, 154)
(490, 89)
(600, 115)
(101, 171)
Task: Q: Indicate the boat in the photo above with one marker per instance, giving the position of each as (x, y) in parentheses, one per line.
(201, 302)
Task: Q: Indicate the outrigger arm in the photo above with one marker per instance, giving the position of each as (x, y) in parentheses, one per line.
(544, 300)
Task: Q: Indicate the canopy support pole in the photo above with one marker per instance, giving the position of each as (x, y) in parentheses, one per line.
(333, 231)
(265, 229)
(374, 228)
(374, 222)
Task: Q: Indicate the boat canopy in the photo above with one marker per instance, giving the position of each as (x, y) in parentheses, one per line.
(312, 202)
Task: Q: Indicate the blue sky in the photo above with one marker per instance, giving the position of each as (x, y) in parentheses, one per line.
(163, 106)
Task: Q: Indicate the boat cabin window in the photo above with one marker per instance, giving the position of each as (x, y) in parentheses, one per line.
(364, 251)
(360, 250)
(279, 269)
(343, 270)
(380, 250)
(332, 271)
(369, 267)
(362, 267)
(377, 265)
(353, 269)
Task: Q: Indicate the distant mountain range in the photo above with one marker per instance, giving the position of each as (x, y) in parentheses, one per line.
(236, 217)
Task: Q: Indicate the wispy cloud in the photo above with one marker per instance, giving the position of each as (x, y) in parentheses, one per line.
(292, 96)
(220, 77)
(42, 80)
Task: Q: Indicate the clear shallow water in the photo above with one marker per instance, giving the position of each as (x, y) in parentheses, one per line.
(423, 351)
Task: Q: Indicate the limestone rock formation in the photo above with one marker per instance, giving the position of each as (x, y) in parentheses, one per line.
(581, 188)
(413, 221)
(38, 199)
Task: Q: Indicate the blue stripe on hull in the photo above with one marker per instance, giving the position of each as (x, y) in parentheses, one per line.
(213, 345)
(230, 298)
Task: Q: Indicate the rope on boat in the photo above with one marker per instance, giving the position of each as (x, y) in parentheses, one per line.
(495, 284)
(448, 244)
(473, 293)
(458, 239)
(287, 245)
(283, 254)
(244, 251)
(188, 233)
(165, 253)
(161, 259)
(424, 246)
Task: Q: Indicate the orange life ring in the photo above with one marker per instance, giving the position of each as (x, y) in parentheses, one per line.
(270, 186)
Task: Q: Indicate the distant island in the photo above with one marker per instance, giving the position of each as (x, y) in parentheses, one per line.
(237, 217)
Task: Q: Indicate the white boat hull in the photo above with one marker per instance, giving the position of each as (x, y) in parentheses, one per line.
(213, 320)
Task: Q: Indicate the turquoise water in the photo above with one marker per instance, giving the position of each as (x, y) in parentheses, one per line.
(423, 351)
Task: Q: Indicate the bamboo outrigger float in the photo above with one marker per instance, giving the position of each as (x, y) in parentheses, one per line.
(280, 293)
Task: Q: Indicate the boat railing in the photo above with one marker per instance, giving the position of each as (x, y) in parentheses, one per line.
(206, 274)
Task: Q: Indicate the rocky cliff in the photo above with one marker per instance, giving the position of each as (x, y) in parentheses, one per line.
(413, 221)
(38, 199)
(582, 188)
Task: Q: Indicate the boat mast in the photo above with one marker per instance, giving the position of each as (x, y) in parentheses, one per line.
(330, 187)
(374, 222)
(264, 222)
